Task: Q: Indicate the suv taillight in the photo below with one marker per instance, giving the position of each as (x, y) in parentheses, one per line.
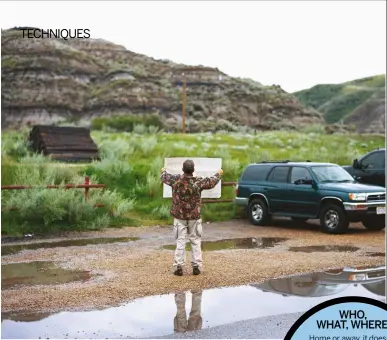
(236, 190)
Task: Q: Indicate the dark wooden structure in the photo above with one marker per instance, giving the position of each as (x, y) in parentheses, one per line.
(69, 144)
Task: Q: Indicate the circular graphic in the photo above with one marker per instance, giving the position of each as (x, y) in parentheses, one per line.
(345, 318)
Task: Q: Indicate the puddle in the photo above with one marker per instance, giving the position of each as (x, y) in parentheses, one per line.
(236, 243)
(312, 249)
(376, 254)
(163, 315)
(38, 273)
(13, 249)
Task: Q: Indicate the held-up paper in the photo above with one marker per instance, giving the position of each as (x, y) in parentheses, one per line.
(204, 167)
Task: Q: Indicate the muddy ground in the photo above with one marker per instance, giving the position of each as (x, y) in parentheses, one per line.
(124, 271)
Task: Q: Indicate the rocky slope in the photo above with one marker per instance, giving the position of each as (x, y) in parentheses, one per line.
(52, 80)
(359, 102)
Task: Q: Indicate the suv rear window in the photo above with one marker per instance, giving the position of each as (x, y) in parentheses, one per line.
(256, 172)
(279, 174)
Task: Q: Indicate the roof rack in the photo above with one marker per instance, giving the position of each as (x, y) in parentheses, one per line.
(284, 161)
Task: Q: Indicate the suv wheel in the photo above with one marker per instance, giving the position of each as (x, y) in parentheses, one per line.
(374, 222)
(258, 212)
(333, 219)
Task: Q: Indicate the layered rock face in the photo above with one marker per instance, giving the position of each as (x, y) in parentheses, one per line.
(52, 80)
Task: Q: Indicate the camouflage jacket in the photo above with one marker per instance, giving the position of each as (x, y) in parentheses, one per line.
(186, 193)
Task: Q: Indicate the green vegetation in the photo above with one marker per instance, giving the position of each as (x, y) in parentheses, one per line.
(337, 101)
(130, 168)
(339, 107)
(42, 210)
(126, 123)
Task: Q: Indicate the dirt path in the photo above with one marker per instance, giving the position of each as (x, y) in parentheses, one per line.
(140, 268)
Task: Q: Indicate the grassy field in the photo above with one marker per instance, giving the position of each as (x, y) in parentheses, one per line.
(130, 168)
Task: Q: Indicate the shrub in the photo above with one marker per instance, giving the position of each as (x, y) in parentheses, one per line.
(43, 210)
(156, 165)
(153, 184)
(316, 128)
(148, 145)
(112, 168)
(15, 144)
(225, 125)
(153, 130)
(116, 149)
(223, 153)
(140, 129)
(56, 174)
(232, 168)
(161, 212)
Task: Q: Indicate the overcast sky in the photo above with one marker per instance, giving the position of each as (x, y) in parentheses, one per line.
(294, 44)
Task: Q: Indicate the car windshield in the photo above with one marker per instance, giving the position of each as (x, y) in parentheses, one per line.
(331, 173)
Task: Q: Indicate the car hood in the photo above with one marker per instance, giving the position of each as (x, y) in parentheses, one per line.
(352, 187)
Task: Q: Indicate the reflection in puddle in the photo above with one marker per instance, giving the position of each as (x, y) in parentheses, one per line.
(236, 243)
(12, 249)
(312, 249)
(377, 288)
(323, 284)
(195, 320)
(38, 273)
(163, 315)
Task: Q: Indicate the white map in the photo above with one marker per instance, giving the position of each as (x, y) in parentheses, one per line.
(204, 167)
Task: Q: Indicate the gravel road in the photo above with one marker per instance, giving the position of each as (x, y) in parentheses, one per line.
(141, 268)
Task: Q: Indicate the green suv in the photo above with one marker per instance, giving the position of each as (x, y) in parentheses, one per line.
(306, 190)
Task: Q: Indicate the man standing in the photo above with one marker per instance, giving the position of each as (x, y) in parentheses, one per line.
(186, 200)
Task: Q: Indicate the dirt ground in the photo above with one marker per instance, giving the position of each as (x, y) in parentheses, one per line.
(140, 268)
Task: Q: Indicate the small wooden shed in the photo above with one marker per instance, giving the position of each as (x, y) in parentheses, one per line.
(69, 144)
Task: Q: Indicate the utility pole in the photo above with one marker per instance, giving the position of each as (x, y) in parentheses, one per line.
(184, 101)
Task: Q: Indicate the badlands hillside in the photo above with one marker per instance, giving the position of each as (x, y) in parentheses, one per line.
(51, 81)
(359, 102)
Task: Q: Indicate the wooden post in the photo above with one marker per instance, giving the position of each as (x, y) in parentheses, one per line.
(87, 182)
(184, 99)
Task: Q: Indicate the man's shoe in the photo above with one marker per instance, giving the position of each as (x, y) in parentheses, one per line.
(196, 270)
(178, 271)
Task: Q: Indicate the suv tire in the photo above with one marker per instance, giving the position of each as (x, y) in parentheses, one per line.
(377, 222)
(333, 219)
(258, 212)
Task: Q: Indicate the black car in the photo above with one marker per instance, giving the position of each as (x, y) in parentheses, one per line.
(369, 169)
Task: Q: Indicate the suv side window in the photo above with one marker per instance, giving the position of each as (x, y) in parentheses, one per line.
(374, 160)
(299, 173)
(256, 172)
(279, 174)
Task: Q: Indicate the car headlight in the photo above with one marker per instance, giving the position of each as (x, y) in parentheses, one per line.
(357, 277)
(357, 197)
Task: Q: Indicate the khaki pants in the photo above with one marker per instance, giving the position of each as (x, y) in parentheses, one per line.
(195, 319)
(194, 230)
